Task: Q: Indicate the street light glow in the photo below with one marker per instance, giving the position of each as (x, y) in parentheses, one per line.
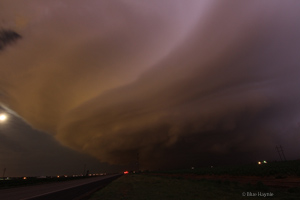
(3, 117)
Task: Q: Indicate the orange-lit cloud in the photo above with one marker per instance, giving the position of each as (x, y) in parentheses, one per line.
(170, 81)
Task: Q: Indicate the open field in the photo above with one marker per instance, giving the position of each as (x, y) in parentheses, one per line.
(275, 174)
(279, 180)
(150, 187)
(279, 169)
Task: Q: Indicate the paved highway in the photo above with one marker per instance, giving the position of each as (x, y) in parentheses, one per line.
(68, 190)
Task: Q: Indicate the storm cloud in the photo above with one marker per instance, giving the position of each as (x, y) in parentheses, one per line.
(174, 82)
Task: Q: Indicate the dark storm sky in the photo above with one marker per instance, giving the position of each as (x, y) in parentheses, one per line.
(181, 83)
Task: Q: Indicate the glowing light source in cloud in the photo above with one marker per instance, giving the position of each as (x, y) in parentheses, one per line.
(3, 117)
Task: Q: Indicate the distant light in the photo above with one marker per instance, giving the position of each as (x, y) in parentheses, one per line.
(3, 117)
(193, 168)
(24, 178)
(211, 166)
(126, 172)
(265, 161)
(259, 163)
(57, 176)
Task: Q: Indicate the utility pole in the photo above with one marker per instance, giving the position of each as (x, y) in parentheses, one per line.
(277, 149)
(280, 152)
(138, 162)
(4, 170)
(84, 170)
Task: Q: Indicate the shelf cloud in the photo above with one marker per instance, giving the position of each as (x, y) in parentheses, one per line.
(172, 82)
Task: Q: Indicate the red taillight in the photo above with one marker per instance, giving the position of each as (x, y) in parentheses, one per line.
(126, 172)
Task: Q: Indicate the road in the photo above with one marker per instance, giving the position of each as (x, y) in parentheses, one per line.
(68, 190)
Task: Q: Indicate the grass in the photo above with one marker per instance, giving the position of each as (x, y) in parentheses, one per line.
(287, 168)
(147, 187)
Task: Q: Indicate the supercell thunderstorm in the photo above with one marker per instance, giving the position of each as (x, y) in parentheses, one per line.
(171, 81)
